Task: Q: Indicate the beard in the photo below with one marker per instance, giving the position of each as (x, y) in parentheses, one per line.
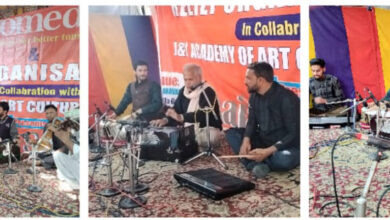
(141, 78)
(252, 89)
(319, 77)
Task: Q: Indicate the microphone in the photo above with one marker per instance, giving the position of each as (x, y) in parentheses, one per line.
(372, 140)
(372, 97)
(361, 99)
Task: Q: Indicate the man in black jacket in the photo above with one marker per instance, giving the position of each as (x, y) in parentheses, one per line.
(189, 107)
(8, 130)
(271, 139)
(325, 89)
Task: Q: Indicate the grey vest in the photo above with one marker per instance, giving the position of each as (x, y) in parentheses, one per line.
(5, 128)
(140, 94)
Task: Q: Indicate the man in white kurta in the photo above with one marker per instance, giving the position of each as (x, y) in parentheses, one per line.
(68, 164)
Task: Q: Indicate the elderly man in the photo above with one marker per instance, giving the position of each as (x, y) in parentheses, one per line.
(189, 107)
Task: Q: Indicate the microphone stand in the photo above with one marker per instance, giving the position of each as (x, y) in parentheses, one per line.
(98, 148)
(34, 187)
(361, 202)
(209, 151)
(110, 190)
(354, 115)
(138, 187)
(9, 170)
(133, 152)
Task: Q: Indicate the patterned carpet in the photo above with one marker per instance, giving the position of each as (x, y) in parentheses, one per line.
(276, 196)
(352, 164)
(55, 200)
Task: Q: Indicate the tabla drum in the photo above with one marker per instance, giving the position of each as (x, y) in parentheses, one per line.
(384, 131)
(108, 130)
(370, 115)
(365, 121)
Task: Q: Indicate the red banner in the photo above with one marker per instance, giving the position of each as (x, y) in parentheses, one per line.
(223, 40)
(39, 64)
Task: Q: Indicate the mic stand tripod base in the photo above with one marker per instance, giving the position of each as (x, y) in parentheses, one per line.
(10, 171)
(108, 192)
(34, 188)
(139, 187)
(130, 203)
(207, 153)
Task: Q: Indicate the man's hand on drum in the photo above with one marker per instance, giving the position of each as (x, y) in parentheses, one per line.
(159, 122)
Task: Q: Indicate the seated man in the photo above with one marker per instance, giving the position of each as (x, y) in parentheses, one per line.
(270, 141)
(324, 88)
(144, 94)
(8, 130)
(68, 164)
(51, 113)
(189, 107)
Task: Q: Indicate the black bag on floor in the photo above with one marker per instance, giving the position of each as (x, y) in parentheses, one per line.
(174, 145)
